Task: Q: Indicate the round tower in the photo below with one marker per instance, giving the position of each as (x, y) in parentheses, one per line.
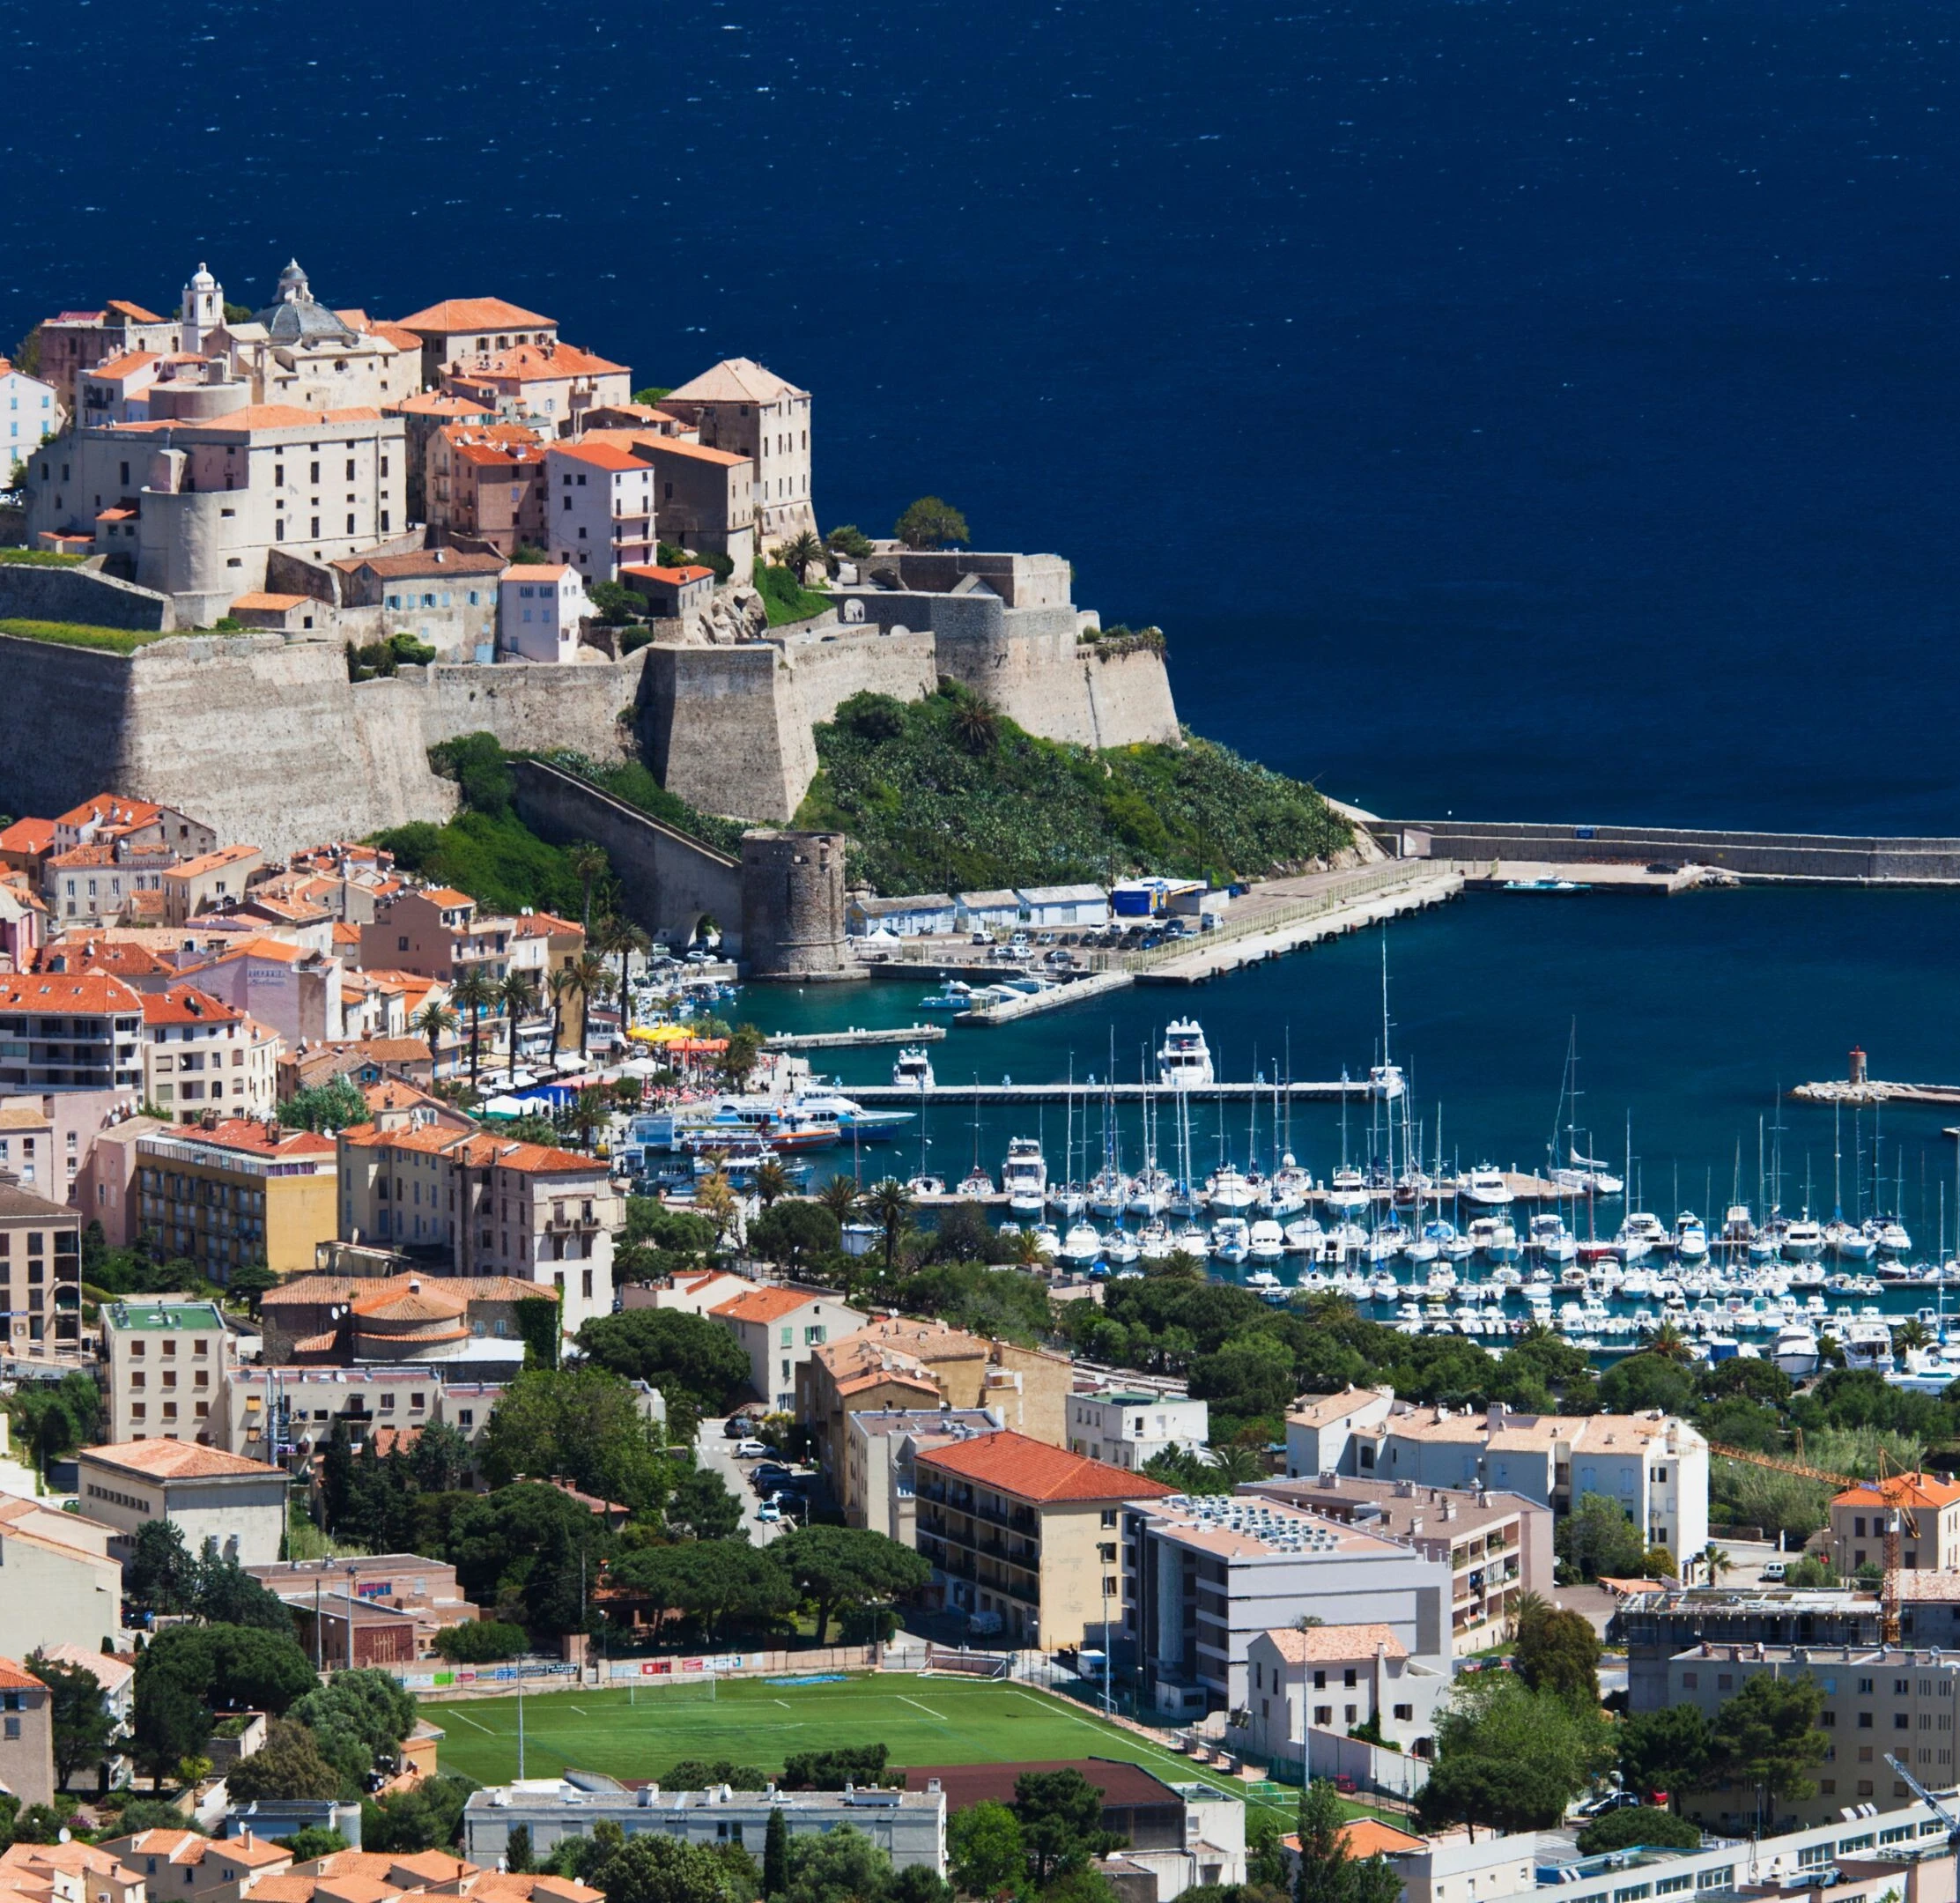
(793, 907)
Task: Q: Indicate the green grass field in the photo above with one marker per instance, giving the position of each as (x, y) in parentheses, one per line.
(921, 1721)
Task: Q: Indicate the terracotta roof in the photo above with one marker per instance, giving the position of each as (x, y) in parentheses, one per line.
(537, 572)
(110, 808)
(735, 380)
(474, 314)
(85, 991)
(1335, 1642)
(535, 363)
(600, 455)
(423, 562)
(768, 1304)
(135, 311)
(411, 1305)
(89, 954)
(1367, 1837)
(28, 836)
(263, 603)
(699, 452)
(109, 1671)
(447, 896)
(186, 1004)
(439, 402)
(174, 1459)
(212, 861)
(672, 577)
(244, 1133)
(313, 1290)
(532, 1159)
(1032, 1471)
(1901, 1490)
(15, 1676)
(125, 366)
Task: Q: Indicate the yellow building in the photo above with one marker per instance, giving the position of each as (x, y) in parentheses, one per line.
(1027, 1535)
(232, 1193)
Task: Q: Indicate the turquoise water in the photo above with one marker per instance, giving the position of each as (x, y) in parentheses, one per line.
(1690, 1013)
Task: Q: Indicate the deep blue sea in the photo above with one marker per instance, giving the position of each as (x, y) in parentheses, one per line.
(1524, 407)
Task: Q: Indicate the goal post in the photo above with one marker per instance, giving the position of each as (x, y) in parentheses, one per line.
(667, 1688)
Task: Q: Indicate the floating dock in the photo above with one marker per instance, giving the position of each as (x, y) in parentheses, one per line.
(1010, 1093)
(1031, 1003)
(918, 1033)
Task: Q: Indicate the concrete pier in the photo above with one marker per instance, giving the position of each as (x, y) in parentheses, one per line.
(918, 1033)
(1028, 1005)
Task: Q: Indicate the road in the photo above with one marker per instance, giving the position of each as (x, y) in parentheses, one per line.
(714, 1451)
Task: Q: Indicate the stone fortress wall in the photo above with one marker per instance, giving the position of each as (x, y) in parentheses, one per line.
(264, 735)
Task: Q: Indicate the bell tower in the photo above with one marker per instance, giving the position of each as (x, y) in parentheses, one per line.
(204, 311)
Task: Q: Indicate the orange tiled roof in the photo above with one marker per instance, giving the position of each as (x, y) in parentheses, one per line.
(15, 1676)
(1335, 1642)
(112, 808)
(602, 455)
(125, 366)
(186, 1004)
(174, 1459)
(529, 1159)
(474, 314)
(135, 311)
(1901, 1490)
(1033, 1471)
(246, 1134)
(79, 991)
(672, 577)
(28, 836)
(767, 1303)
(534, 363)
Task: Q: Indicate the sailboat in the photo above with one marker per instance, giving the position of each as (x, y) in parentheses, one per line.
(976, 1182)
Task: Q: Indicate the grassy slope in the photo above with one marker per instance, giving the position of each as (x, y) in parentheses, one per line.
(786, 599)
(923, 1721)
(71, 635)
(927, 812)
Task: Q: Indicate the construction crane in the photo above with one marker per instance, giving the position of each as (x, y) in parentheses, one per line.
(1898, 1516)
(1933, 1804)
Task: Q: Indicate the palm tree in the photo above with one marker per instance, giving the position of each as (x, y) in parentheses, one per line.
(619, 937)
(1027, 1250)
(840, 1197)
(716, 1200)
(1668, 1343)
(799, 552)
(772, 1180)
(590, 978)
(1717, 1561)
(888, 1204)
(976, 726)
(516, 998)
(590, 1109)
(474, 994)
(588, 865)
(560, 984)
(1911, 1334)
(433, 1023)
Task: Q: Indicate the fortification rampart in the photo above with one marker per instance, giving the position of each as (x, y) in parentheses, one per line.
(30, 591)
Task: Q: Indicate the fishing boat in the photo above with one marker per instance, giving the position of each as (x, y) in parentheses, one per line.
(913, 1068)
(1025, 1176)
(1184, 1059)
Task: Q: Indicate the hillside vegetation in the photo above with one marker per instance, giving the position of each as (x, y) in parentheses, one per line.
(948, 795)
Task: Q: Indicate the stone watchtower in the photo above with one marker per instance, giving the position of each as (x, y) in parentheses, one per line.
(793, 907)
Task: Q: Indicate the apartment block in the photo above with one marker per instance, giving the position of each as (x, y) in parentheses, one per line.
(164, 1364)
(435, 933)
(1877, 1700)
(41, 1273)
(1215, 1571)
(1128, 1426)
(1334, 1677)
(201, 1054)
(270, 1411)
(26, 1735)
(237, 1504)
(58, 1584)
(877, 1486)
(1028, 1536)
(1498, 1545)
(1922, 1512)
(69, 1031)
(599, 508)
(485, 483)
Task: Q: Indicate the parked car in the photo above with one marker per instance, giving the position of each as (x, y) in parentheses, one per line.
(1613, 1800)
(752, 1449)
(1775, 1573)
(769, 1511)
(767, 1477)
(735, 1427)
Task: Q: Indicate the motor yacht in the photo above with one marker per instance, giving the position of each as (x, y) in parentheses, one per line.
(1291, 1187)
(1184, 1058)
(1891, 1236)
(1047, 1240)
(1191, 1239)
(1866, 1343)
(1485, 1186)
(913, 1068)
(1265, 1240)
(1025, 1176)
(1640, 1234)
(1120, 1250)
(1690, 1238)
(1929, 1370)
(1232, 1193)
(1305, 1236)
(1231, 1238)
(1347, 1192)
(1082, 1245)
(1263, 1281)
(1796, 1349)
(1802, 1240)
(1550, 1240)
(953, 995)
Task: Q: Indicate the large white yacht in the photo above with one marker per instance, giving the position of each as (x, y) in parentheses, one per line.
(1485, 1186)
(1184, 1059)
(913, 1068)
(1025, 1176)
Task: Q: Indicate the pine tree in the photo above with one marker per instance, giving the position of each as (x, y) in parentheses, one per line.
(775, 1855)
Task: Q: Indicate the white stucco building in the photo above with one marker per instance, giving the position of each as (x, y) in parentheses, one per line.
(598, 508)
(30, 411)
(538, 607)
(1128, 1426)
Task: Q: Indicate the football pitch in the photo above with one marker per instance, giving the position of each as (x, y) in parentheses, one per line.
(645, 1732)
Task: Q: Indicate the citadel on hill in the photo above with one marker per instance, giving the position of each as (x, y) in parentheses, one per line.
(275, 489)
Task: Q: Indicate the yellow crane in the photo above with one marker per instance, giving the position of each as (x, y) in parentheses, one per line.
(1898, 1515)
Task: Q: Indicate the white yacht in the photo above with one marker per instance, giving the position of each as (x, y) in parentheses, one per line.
(1230, 1240)
(1690, 1238)
(1025, 1176)
(1929, 1370)
(976, 1182)
(1192, 1241)
(1265, 1241)
(1305, 1236)
(1067, 1200)
(1347, 1192)
(1083, 1245)
(913, 1068)
(1803, 1241)
(1891, 1235)
(1494, 1237)
(1120, 1250)
(1486, 1188)
(1640, 1234)
(1184, 1058)
(1286, 1195)
(1232, 1194)
(1149, 1191)
(1550, 1240)
(1796, 1349)
(1867, 1344)
(1154, 1241)
(1047, 1240)
(1108, 1190)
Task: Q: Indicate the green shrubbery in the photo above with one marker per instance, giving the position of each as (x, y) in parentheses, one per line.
(631, 781)
(786, 599)
(947, 794)
(73, 634)
(36, 558)
(378, 660)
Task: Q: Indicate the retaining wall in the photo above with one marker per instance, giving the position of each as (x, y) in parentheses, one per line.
(31, 591)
